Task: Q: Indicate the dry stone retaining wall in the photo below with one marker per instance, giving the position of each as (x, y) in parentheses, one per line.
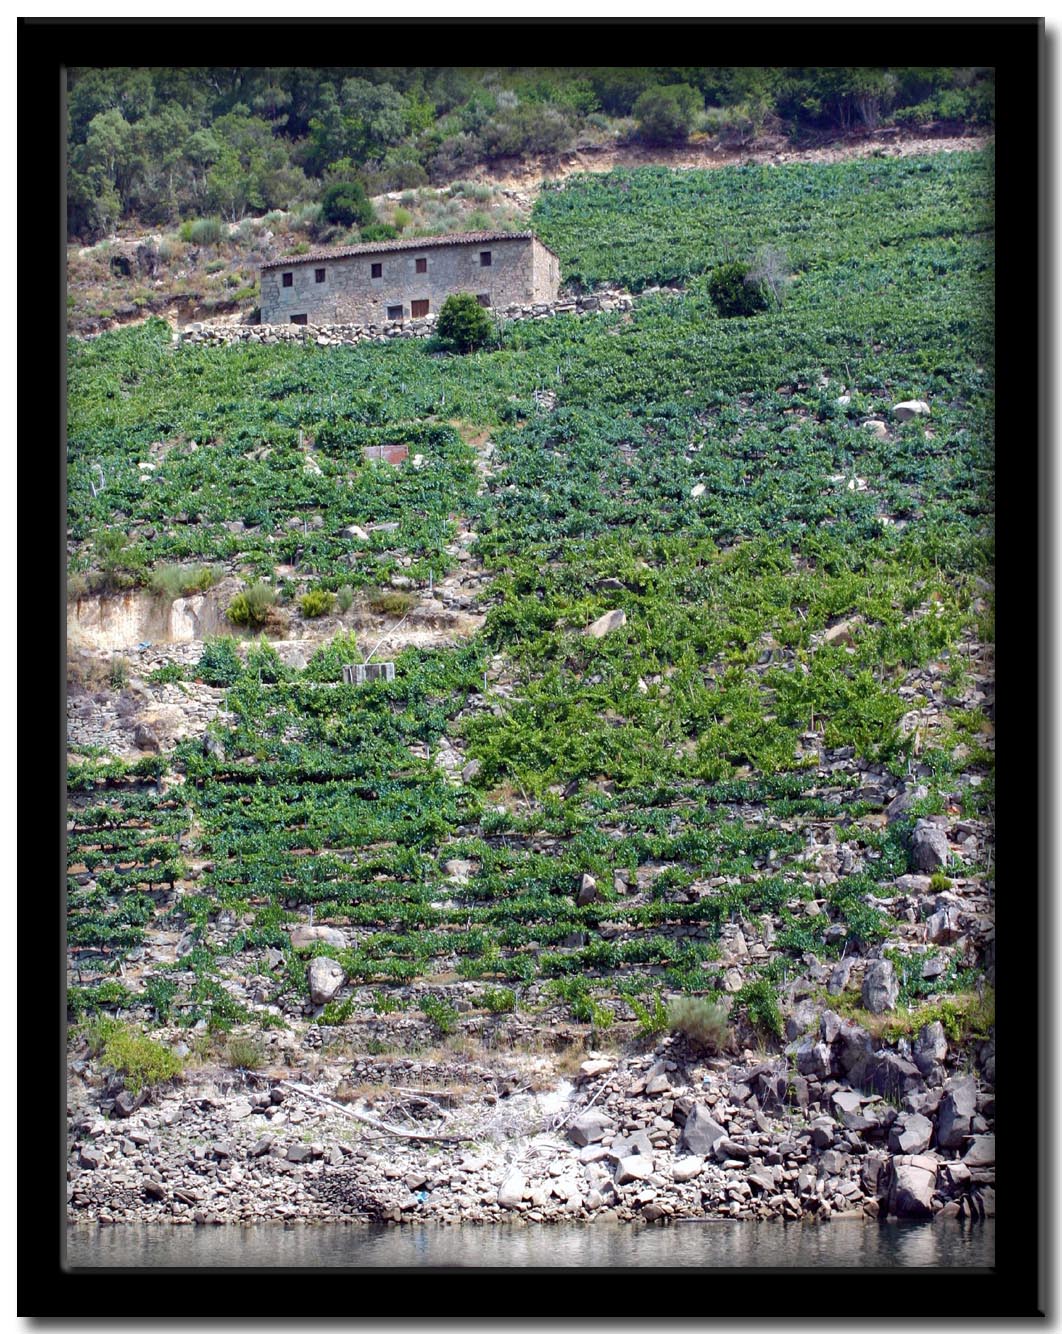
(349, 334)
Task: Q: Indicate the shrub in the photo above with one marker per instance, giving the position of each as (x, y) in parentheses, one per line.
(219, 663)
(253, 605)
(263, 659)
(139, 1060)
(168, 674)
(346, 203)
(379, 231)
(769, 275)
(939, 882)
(732, 293)
(392, 604)
(244, 1053)
(760, 1002)
(463, 323)
(317, 602)
(207, 231)
(441, 1013)
(169, 582)
(118, 674)
(665, 113)
(653, 1018)
(345, 598)
(702, 1020)
(402, 218)
(499, 1000)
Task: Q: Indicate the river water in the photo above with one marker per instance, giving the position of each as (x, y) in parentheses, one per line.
(722, 1244)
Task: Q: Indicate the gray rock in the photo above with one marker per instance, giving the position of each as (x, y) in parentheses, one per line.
(842, 970)
(154, 1189)
(700, 1132)
(851, 1047)
(930, 1047)
(982, 1151)
(929, 848)
(126, 1104)
(470, 771)
(686, 1169)
(90, 1159)
(899, 807)
(813, 1059)
(910, 1133)
(914, 1178)
(325, 977)
(636, 1167)
(299, 1153)
(511, 1191)
(592, 1126)
(146, 738)
(912, 407)
(305, 937)
(587, 891)
(881, 989)
(889, 1074)
(943, 927)
(610, 621)
(637, 1142)
(958, 1107)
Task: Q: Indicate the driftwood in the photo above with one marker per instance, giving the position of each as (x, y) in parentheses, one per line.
(377, 1124)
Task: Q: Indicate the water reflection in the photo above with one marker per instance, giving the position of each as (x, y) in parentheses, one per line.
(696, 1245)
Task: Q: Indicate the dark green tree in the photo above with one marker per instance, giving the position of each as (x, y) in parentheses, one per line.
(463, 323)
(347, 204)
(665, 113)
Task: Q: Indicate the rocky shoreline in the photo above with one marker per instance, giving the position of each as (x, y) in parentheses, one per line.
(831, 1129)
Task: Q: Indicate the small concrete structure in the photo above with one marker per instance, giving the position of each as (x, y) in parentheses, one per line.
(359, 672)
(382, 282)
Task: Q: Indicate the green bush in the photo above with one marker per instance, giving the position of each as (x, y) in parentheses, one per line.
(702, 1020)
(392, 604)
(732, 293)
(346, 203)
(118, 673)
(939, 882)
(252, 606)
(759, 1000)
(653, 1018)
(463, 324)
(499, 1000)
(244, 1053)
(207, 231)
(317, 602)
(169, 582)
(665, 113)
(441, 1013)
(345, 598)
(379, 231)
(139, 1060)
(219, 663)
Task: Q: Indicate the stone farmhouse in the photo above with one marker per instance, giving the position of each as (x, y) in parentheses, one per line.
(381, 282)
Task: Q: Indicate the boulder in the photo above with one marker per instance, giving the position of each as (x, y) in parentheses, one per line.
(146, 738)
(635, 1167)
(890, 1075)
(958, 1107)
(942, 928)
(592, 1126)
(881, 989)
(511, 1191)
(910, 1133)
(700, 1132)
(587, 891)
(611, 620)
(899, 806)
(686, 1169)
(842, 970)
(304, 937)
(914, 1178)
(851, 1047)
(325, 977)
(982, 1151)
(912, 407)
(929, 849)
(813, 1059)
(930, 1047)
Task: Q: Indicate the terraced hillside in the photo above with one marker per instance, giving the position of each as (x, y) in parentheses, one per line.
(702, 703)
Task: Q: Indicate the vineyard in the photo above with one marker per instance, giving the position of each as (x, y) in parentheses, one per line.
(696, 801)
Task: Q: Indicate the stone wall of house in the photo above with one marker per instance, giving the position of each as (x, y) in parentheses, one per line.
(347, 334)
(343, 290)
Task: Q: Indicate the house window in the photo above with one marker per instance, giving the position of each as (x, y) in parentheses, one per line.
(394, 312)
(484, 299)
(419, 309)
(484, 259)
(377, 271)
(298, 319)
(318, 275)
(422, 266)
(286, 279)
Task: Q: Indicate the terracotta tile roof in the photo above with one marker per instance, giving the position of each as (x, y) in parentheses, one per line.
(386, 247)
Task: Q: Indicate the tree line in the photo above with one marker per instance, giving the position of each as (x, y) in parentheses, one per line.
(162, 144)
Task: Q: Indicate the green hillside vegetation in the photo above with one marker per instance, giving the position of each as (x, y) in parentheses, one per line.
(164, 144)
(682, 759)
